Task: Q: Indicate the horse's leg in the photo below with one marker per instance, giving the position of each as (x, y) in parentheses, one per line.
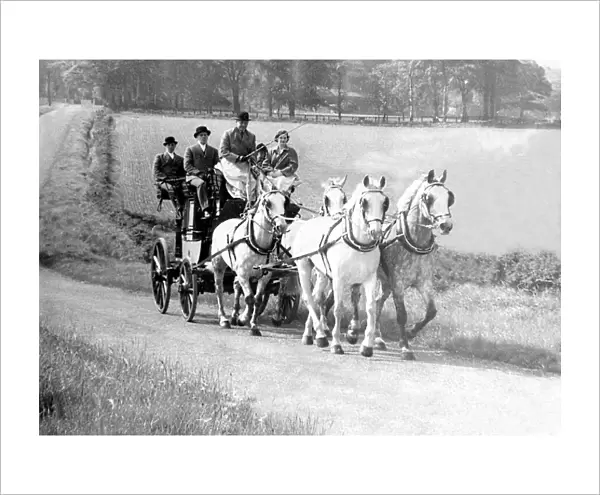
(426, 291)
(354, 326)
(337, 285)
(237, 292)
(304, 274)
(366, 348)
(320, 296)
(250, 304)
(401, 317)
(258, 299)
(386, 290)
(219, 267)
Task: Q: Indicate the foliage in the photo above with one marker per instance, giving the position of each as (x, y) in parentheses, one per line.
(432, 87)
(519, 269)
(529, 271)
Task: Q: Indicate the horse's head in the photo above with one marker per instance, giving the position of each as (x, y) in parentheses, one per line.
(334, 197)
(372, 204)
(274, 203)
(435, 202)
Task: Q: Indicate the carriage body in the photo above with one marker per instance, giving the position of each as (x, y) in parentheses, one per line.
(190, 268)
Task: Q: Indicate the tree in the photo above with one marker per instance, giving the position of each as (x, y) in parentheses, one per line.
(234, 71)
(464, 76)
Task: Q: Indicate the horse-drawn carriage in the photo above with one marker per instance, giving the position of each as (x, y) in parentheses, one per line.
(190, 266)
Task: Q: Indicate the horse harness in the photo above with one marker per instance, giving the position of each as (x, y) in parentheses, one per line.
(249, 237)
(347, 236)
(402, 231)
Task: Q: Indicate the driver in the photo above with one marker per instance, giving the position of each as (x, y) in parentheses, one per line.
(169, 165)
(236, 144)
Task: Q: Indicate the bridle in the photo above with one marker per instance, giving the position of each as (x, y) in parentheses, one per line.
(268, 213)
(402, 230)
(325, 207)
(434, 220)
(349, 237)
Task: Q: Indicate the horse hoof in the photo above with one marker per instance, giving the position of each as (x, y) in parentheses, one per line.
(337, 349)
(352, 338)
(255, 332)
(225, 324)
(239, 322)
(322, 342)
(366, 351)
(307, 340)
(407, 355)
(380, 345)
(276, 322)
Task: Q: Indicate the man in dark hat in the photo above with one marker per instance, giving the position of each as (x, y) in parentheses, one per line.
(169, 165)
(199, 161)
(236, 144)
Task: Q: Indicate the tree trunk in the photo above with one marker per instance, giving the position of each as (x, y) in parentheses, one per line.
(48, 89)
(292, 108)
(486, 93)
(493, 97)
(235, 93)
(411, 100)
(436, 103)
(465, 114)
(339, 98)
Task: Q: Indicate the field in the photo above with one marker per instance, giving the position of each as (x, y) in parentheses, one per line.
(506, 182)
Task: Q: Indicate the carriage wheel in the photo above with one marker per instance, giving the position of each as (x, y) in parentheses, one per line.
(159, 275)
(289, 307)
(188, 290)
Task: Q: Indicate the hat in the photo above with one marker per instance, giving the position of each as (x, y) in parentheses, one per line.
(280, 132)
(243, 117)
(200, 130)
(169, 140)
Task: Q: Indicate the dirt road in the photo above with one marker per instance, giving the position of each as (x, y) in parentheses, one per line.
(381, 395)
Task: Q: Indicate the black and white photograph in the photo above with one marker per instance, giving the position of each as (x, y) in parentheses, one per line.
(337, 220)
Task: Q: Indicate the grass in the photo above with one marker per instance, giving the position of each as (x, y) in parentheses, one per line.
(87, 389)
(506, 182)
(89, 237)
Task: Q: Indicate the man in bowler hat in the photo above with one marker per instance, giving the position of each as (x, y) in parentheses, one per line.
(169, 165)
(199, 161)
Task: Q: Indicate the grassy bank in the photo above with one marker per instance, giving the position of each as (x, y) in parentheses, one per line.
(502, 308)
(89, 389)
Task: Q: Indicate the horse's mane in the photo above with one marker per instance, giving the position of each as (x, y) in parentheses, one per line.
(409, 193)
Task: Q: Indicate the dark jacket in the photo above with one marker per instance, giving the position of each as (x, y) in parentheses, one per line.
(233, 145)
(197, 162)
(286, 160)
(165, 166)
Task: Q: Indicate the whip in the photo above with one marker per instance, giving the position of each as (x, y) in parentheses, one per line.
(273, 140)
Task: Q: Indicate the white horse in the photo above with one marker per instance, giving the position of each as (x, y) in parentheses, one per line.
(346, 250)
(334, 199)
(408, 256)
(251, 241)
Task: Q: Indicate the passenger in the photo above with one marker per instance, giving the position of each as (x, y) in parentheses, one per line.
(280, 164)
(169, 165)
(200, 160)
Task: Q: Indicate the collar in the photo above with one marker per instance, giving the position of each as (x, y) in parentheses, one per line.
(202, 146)
(170, 155)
